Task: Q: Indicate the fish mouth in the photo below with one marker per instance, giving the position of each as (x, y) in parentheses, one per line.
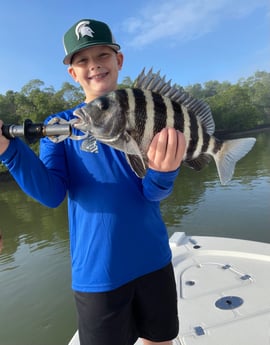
(76, 122)
(80, 115)
(79, 121)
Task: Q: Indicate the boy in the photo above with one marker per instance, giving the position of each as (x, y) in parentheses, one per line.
(122, 275)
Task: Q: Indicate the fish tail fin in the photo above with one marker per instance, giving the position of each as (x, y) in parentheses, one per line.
(231, 152)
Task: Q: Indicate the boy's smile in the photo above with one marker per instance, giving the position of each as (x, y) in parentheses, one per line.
(98, 76)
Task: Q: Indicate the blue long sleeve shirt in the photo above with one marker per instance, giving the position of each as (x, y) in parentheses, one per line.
(116, 229)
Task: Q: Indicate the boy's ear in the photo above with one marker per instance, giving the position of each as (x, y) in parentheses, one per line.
(72, 73)
(120, 60)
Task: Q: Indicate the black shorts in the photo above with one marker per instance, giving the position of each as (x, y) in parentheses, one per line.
(146, 307)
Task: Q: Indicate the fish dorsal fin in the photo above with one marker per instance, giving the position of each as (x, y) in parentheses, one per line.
(154, 82)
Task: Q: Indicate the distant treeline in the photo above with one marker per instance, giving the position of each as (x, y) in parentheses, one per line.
(235, 107)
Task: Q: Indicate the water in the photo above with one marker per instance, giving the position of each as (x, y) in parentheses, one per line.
(36, 302)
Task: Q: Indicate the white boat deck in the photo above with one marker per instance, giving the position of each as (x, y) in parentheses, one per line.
(223, 289)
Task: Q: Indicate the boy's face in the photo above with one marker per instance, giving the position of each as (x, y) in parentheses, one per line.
(96, 70)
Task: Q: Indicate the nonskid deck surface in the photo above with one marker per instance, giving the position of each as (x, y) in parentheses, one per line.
(223, 289)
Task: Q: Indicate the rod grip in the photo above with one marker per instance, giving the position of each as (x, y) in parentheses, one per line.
(7, 132)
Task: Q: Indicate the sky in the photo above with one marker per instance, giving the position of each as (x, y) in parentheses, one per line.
(189, 41)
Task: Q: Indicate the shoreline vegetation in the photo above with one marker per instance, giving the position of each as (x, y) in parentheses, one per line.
(238, 109)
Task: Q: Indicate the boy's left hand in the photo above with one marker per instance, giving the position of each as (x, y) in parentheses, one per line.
(166, 150)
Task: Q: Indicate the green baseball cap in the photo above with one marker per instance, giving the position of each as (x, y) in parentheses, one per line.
(87, 33)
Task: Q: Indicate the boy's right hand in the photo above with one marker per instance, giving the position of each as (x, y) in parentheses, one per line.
(4, 142)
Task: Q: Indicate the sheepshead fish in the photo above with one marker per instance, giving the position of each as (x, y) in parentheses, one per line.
(128, 119)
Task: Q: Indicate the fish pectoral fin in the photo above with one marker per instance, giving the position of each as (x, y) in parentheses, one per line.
(130, 145)
(124, 143)
(198, 163)
(134, 156)
(137, 164)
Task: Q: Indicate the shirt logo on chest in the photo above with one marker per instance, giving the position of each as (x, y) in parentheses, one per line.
(89, 145)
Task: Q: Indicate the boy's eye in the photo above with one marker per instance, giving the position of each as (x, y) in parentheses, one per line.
(81, 60)
(78, 62)
(104, 55)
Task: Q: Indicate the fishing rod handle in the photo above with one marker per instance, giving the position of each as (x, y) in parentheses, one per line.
(34, 131)
(12, 131)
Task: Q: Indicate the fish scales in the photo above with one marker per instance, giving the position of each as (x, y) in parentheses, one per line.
(159, 111)
(192, 144)
(133, 101)
(126, 103)
(178, 120)
(217, 146)
(206, 141)
(150, 119)
(140, 107)
(128, 119)
(186, 128)
(165, 113)
(171, 113)
(128, 96)
(200, 141)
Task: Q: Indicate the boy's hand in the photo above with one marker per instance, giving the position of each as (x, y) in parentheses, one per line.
(166, 150)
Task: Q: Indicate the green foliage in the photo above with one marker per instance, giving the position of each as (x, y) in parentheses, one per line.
(238, 107)
(233, 109)
(259, 90)
(8, 111)
(36, 102)
(241, 106)
(208, 89)
(127, 82)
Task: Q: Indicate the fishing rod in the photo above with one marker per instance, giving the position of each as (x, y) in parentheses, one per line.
(56, 130)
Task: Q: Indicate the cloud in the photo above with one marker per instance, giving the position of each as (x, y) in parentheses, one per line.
(182, 20)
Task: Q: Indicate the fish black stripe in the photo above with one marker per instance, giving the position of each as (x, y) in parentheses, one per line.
(178, 117)
(140, 114)
(218, 145)
(122, 98)
(160, 112)
(206, 141)
(192, 145)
